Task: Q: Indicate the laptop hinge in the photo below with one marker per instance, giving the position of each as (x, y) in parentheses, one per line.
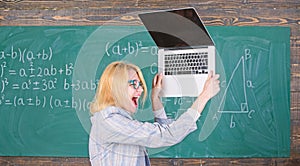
(185, 48)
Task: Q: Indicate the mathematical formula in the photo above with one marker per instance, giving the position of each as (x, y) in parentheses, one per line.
(25, 55)
(130, 48)
(44, 102)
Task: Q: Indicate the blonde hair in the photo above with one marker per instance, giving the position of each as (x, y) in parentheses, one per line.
(113, 87)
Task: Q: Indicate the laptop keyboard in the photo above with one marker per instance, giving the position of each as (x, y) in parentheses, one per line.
(189, 63)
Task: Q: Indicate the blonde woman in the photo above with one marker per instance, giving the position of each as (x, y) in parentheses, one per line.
(116, 139)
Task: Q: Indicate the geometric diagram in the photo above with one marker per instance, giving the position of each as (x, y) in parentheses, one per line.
(244, 105)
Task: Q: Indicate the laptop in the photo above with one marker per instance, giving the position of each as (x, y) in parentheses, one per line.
(186, 52)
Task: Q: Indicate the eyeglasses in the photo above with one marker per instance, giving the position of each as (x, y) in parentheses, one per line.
(135, 84)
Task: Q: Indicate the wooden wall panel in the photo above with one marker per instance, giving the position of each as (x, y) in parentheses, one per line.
(217, 12)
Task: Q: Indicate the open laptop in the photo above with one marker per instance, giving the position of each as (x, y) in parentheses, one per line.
(186, 52)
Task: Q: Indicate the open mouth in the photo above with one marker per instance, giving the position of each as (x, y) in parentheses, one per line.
(135, 101)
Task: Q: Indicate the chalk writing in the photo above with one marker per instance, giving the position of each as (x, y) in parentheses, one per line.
(24, 74)
(244, 106)
(130, 48)
(45, 101)
(25, 55)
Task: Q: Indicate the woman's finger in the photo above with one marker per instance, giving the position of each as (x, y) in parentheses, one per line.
(154, 81)
(159, 80)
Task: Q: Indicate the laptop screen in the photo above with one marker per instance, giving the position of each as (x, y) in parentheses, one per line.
(176, 28)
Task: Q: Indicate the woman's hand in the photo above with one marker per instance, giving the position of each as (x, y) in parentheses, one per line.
(211, 86)
(156, 85)
(156, 89)
(210, 89)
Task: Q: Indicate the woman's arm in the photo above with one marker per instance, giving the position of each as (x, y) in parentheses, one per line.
(114, 127)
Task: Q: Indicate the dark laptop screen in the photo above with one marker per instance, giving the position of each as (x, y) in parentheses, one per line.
(176, 28)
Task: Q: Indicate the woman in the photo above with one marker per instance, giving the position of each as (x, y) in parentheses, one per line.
(118, 139)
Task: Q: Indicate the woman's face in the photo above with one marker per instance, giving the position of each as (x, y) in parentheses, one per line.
(135, 89)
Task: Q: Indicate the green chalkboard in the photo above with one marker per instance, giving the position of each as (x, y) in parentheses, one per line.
(49, 76)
